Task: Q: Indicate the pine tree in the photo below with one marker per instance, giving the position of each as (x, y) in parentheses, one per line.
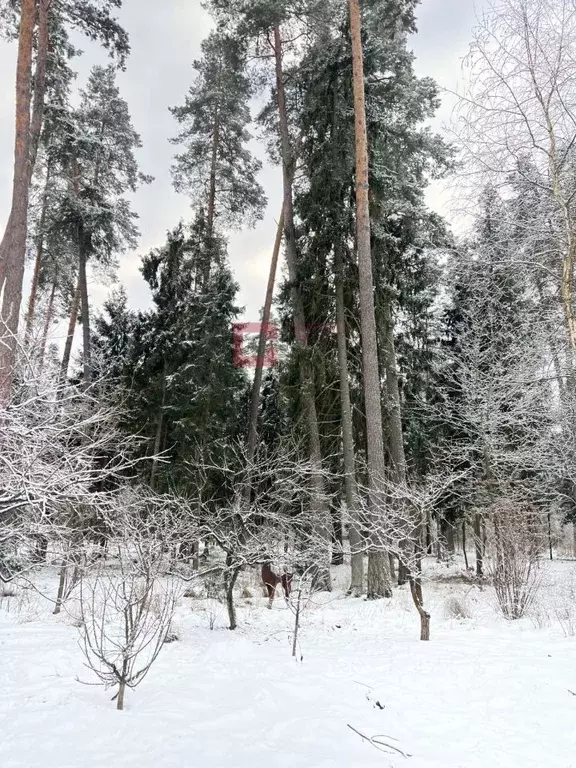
(35, 23)
(101, 165)
(216, 168)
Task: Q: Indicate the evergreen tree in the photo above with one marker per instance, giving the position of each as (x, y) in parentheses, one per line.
(216, 168)
(184, 392)
(99, 160)
(33, 23)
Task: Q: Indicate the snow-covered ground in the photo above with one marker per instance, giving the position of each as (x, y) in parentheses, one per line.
(484, 693)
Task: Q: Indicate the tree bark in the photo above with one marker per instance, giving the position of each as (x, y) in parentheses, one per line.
(319, 508)
(262, 340)
(13, 245)
(350, 485)
(479, 544)
(159, 429)
(371, 373)
(211, 214)
(121, 692)
(85, 309)
(70, 336)
(230, 583)
(47, 323)
(30, 314)
(42, 48)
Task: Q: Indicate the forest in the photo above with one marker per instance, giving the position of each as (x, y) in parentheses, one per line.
(385, 456)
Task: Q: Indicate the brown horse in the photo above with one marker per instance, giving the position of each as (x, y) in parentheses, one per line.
(271, 581)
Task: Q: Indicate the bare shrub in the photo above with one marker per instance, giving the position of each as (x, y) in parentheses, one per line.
(540, 616)
(515, 567)
(127, 610)
(456, 607)
(566, 617)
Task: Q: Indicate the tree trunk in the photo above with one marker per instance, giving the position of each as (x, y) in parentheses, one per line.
(371, 374)
(262, 341)
(48, 320)
(13, 245)
(416, 591)
(85, 309)
(378, 575)
(319, 507)
(70, 336)
(31, 311)
(449, 536)
(550, 547)
(30, 314)
(159, 428)
(479, 544)
(61, 588)
(120, 697)
(42, 48)
(574, 539)
(464, 544)
(230, 584)
(350, 485)
(211, 214)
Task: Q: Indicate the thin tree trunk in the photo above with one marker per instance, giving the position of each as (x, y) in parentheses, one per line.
(464, 544)
(159, 429)
(479, 544)
(70, 336)
(13, 245)
(372, 394)
(550, 548)
(31, 311)
(61, 588)
(262, 341)
(350, 485)
(120, 698)
(297, 622)
(85, 310)
(230, 584)
(47, 324)
(211, 214)
(30, 314)
(319, 508)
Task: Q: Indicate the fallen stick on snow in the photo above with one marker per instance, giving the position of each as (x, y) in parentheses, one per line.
(380, 745)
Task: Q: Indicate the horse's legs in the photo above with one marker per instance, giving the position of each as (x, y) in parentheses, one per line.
(271, 592)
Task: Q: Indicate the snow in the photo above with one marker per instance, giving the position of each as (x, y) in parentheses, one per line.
(484, 693)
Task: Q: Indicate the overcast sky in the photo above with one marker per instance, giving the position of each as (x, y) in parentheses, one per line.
(165, 37)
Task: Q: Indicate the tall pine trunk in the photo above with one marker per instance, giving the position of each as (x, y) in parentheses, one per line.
(262, 340)
(378, 569)
(85, 308)
(319, 507)
(350, 486)
(48, 320)
(13, 245)
(35, 285)
(70, 335)
(211, 214)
